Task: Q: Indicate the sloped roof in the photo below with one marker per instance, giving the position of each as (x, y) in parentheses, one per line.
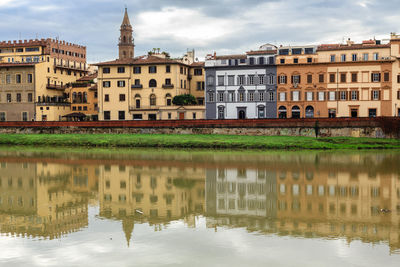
(141, 60)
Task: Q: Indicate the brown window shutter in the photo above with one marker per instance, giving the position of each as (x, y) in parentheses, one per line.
(372, 94)
(279, 79)
(312, 95)
(398, 78)
(336, 95)
(398, 94)
(291, 95)
(299, 95)
(299, 78)
(358, 95)
(292, 78)
(379, 95)
(372, 77)
(379, 77)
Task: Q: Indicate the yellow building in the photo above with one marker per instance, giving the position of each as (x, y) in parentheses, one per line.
(34, 75)
(136, 88)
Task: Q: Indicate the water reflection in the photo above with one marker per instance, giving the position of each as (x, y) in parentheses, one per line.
(326, 195)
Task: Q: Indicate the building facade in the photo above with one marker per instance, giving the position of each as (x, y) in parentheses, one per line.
(241, 86)
(142, 88)
(83, 98)
(34, 74)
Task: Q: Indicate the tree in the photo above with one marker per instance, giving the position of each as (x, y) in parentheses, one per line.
(184, 100)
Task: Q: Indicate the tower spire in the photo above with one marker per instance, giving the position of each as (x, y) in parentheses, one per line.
(126, 42)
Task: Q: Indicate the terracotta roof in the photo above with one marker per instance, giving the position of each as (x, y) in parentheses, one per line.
(142, 60)
(333, 47)
(7, 65)
(197, 64)
(261, 52)
(231, 57)
(88, 77)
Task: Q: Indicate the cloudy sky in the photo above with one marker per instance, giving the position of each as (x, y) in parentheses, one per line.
(224, 26)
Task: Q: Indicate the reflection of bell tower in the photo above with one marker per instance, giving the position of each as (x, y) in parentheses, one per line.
(127, 226)
(126, 44)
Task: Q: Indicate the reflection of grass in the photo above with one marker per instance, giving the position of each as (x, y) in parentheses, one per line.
(197, 141)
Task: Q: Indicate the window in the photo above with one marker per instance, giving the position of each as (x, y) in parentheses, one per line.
(18, 97)
(121, 70)
(221, 96)
(343, 95)
(321, 78)
(282, 79)
(152, 100)
(284, 52)
(221, 80)
(295, 95)
(372, 112)
(251, 61)
(198, 72)
(332, 78)
(194, 115)
(32, 49)
(282, 61)
(261, 112)
(231, 96)
(106, 98)
(181, 70)
(231, 80)
(365, 56)
(375, 95)
(354, 57)
(210, 80)
(261, 61)
(168, 69)
(342, 77)
(295, 79)
(9, 98)
(106, 70)
(106, 84)
(167, 81)
(121, 115)
(309, 96)
(295, 60)
(251, 79)
(152, 83)
(210, 97)
(121, 83)
(137, 70)
(354, 95)
(261, 96)
(152, 69)
(137, 82)
(386, 77)
(241, 96)
(251, 96)
(321, 96)
(24, 116)
(354, 77)
(18, 78)
(271, 96)
(30, 97)
(309, 60)
(122, 97)
(107, 115)
(332, 113)
(332, 96)
(261, 79)
(221, 112)
(343, 57)
(282, 96)
(333, 58)
(8, 78)
(241, 80)
(200, 86)
(2, 116)
(309, 78)
(296, 51)
(375, 77)
(376, 56)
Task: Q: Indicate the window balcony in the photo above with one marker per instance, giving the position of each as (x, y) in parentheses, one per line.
(137, 86)
(56, 87)
(167, 86)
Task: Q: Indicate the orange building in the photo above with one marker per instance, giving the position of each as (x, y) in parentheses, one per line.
(83, 98)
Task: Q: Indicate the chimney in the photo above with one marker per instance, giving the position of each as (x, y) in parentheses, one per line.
(349, 42)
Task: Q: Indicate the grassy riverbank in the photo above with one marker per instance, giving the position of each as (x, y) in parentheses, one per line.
(196, 141)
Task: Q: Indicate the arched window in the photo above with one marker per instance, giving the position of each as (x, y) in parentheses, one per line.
(282, 113)
(137, 101)
(84, 97)
(152, 100)
(79, 97)
(309, 112)
(295, 112)
(124, 39)
(152, 83)
(168, 99)
(74, 97)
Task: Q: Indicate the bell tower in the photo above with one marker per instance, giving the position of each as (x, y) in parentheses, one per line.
(126, 44)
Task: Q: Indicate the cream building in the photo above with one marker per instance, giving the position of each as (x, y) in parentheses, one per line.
(34, 75)
(142, 88)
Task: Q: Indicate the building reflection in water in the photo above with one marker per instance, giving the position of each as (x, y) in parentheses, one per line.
(308, 195)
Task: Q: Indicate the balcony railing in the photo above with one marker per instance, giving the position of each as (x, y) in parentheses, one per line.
(56, 87)
(142, 108)
(136, 86)
(53, 104)
(168, 86)
(65, 66)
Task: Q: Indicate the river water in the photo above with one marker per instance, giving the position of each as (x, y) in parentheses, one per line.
(198, 208)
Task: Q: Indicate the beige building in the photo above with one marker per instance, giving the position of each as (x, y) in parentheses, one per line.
(142, 88)
(34, 75)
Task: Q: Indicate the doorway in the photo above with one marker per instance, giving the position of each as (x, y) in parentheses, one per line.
(181, 115)
(242, 115)
(354, 113)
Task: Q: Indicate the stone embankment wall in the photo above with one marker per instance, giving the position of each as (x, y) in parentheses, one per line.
(358, 127)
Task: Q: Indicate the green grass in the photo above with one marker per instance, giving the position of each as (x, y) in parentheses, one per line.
(196, 141)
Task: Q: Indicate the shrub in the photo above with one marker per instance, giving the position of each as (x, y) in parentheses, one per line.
(184, 100)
